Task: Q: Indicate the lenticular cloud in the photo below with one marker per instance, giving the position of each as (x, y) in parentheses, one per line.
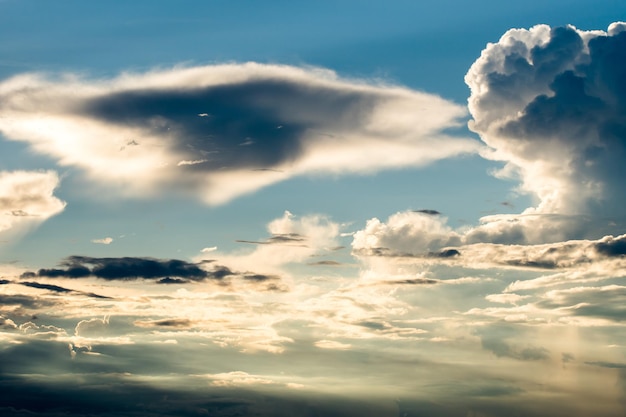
(551, 102)
(224, 130)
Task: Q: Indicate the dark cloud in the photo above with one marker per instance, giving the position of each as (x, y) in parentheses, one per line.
(162, 271)
(72, 271)
(445, 253)
(49, 287)
(129, 268)
(111, 395)
(256, 124)
(611, 247)
(178, 323)
(170, 280)
(428, 211)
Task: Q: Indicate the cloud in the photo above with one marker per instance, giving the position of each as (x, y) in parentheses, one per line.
(407, 232)
(502, 348)
(173, 322)
(428, 211)
(26, 199)
(103, 241)
(165, 271)
(7, 324)
(550, 103)
(429, 239)
(93, 327)
(292, 239)
(129, 268)
(184, 128)
(604, 302)
(50, 287)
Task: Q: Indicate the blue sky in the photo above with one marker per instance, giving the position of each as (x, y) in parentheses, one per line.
(321, 208)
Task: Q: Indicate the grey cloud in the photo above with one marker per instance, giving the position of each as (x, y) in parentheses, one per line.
(24, 301)
(501, 348)
(607, 302)
(610, 365)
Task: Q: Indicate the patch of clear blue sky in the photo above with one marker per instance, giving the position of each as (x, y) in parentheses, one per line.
(424, 45)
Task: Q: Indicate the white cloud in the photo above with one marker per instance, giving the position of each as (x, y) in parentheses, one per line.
(292, 239)
(93, 327)
(26, 200)
(103, 241)
(550, 103)
(180, 129)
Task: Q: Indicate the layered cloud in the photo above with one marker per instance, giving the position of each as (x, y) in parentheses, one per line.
(424, 239)
(220, 131)
(27, 199)
(550, 103)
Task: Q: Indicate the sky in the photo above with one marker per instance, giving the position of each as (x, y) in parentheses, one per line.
(330, 208)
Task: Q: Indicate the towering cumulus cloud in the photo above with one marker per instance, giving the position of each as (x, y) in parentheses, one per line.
(220, 131)
(551, 102)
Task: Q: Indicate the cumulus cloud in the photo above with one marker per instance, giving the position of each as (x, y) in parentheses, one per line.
(411, 240)
(92, 327)
(292, 239)
(224, 130)
(550, 102)
(26, 199)
(407, 232)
